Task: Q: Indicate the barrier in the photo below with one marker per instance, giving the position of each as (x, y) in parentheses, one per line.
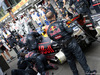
(3, 64)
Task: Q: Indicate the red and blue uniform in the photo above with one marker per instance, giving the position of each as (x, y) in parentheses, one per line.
(61, 32)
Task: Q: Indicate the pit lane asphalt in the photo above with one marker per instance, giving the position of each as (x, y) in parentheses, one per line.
(93, 59)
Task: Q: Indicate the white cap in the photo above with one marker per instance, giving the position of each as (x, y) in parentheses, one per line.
(39, 6)
(32, 10)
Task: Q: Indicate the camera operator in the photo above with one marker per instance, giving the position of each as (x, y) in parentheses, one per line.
(61, 32)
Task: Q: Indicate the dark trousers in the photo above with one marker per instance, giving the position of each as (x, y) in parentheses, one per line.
(11, 42)
(23, 72)
(18, 72)
(15, 49)
(42, 64)
(97, 8)
(72, 50)
(85, 10)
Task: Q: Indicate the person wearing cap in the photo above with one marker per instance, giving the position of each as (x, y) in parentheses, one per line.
(43, 15)
(45, 31)
(36, 17)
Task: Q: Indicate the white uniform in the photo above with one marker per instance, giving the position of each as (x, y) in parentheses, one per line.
(36, 18)
(6, 34)
(26, 25)
(13, 26)
(43, 17)
(3, 41)
(22, 27)
(11, 29)
(18, 24)
(4, 44)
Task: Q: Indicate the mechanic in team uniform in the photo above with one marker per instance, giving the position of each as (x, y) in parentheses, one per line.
(32, 41)
(40, 62)
(66, 14)
(82, 7)
(51, 8)
(61, 33)
(59, 3)
(24, 67)
(96, 5)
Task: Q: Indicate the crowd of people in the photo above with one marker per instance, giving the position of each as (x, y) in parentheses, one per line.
(31, 26)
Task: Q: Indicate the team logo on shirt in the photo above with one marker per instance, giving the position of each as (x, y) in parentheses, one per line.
(54, 30)
(58, 37)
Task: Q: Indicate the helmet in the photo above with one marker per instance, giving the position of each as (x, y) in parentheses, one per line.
(45, 28)
(32, 10)
(39, 6)
(31, 42)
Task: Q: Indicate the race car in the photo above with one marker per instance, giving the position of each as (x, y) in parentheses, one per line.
(53, 51)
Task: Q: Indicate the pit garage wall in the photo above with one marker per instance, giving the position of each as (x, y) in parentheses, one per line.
(14, 9)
